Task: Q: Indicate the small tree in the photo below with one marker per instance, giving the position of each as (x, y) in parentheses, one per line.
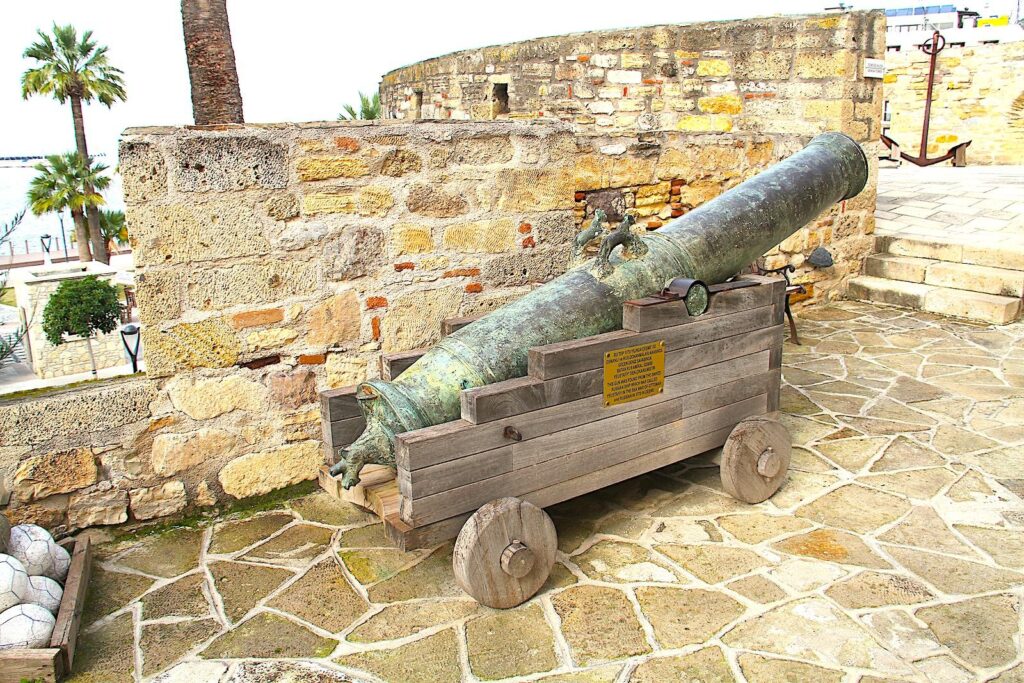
(81, 307)
(369, 108)
(9, 343)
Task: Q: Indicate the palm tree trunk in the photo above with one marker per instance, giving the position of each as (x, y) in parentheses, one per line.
(216, 97)
(81, 236)
(98, 250)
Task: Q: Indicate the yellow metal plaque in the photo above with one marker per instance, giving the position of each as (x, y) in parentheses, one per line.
(633, 373)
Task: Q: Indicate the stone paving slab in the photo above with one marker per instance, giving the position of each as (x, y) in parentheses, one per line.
(980, 204)
(894, 552)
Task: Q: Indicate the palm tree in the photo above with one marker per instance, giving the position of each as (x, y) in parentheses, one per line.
(64, 182)
(115, 232)
(369, 108)
(216, 97)
(74, 70)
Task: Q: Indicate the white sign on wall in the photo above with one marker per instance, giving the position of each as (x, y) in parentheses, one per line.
(874, 68)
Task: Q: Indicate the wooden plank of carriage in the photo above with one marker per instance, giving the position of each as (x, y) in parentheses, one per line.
(341, 420)
(416, 511)
(524, 394)
(457, 439)
(394, 364)
(653, 313)
(526, 453)
(579, 355)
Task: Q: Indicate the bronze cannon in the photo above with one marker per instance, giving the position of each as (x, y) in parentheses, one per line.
(709, 244)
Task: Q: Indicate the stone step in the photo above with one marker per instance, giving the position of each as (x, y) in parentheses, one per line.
(990, 308)
(1002, 255)
(965, 276)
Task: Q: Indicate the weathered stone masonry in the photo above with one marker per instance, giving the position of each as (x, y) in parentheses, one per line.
(778, 75)
(277, 261)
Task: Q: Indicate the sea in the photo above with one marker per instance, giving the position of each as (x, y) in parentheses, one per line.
(15, 176)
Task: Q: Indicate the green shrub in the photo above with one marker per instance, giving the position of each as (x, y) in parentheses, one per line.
(81, 307)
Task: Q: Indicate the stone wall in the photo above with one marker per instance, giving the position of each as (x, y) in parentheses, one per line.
(274, 262)
(778, 75)
(978, 96)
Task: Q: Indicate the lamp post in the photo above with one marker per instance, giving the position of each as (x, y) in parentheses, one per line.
(63, 235)
(46, 241)
(130, 337)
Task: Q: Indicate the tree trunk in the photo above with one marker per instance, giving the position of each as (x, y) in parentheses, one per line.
(94, 236)
(92, 356)
(211, 62)
(81, 236)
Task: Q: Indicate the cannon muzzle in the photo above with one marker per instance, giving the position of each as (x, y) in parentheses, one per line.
(711, 243)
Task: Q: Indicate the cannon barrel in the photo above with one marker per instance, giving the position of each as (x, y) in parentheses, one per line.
(711, 243)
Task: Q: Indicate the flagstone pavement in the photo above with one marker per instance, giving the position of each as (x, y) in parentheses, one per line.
(894, 552)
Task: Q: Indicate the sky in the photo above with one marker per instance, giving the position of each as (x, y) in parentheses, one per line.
(301, 60)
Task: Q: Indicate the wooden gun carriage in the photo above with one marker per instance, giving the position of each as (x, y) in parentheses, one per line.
(557, 433)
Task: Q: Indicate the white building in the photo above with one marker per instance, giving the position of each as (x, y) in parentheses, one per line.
(909, 27)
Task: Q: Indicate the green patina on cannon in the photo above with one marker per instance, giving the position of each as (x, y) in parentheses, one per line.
(711, 244)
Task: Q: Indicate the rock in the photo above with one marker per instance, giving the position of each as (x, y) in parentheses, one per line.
(434, 659)
(981, 631)
(106, 652)
(945, 669)
(408, 618)
(758, 589)
(400, 162)
(758, 669)
(164, 644)
(269, 635)
(707, 666)
(872, 589)
(359, 252)
(334, 321)
(683, 617)
(58, 472)
(900, 633)
(294, 546)
(323, 508)
(713, 564)
(168, 554)
(507, 643)
(488, 236)
(832, 546)
(204, 399)
(855, 508)
(183, 598)
(951, 575)
(109, 591)
(757, 527)
(232, 536)
(617, 562)
(436, 202)
(322, 597)
(802, 576)
(432, 577)
(923, 528)
(414, 319)
(265, 471)
(241, 586)
(98, 508)
(294, 389)
(158, 501)
(814, 630)
(173, 453)
(599, 624)
(344, 370)
(192, 672)
(204, 496)
(1006, 547)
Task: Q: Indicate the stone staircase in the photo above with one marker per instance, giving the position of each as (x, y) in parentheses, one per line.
(19, 347)
(979, 281)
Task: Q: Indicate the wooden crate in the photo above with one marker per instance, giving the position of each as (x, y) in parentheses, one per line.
(54, 662)
(548, 437)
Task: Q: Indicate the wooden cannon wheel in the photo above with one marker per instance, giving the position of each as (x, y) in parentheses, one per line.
(755, 459)
(505, 552)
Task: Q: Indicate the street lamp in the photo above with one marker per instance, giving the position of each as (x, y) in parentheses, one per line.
(131, 332)
(46, 241)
